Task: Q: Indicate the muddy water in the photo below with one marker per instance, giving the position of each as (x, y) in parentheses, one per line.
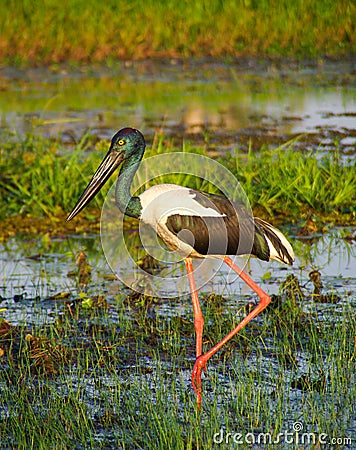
(224, 104)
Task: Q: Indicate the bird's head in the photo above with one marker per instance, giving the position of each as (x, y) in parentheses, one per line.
(127, 144)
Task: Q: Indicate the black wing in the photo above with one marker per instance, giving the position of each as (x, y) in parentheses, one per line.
(235, 233)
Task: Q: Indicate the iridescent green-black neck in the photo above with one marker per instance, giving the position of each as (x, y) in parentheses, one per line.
(133, 144)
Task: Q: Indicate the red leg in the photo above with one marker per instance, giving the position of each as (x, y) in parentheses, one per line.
(201, 362)
(198, 316)
(198, 324)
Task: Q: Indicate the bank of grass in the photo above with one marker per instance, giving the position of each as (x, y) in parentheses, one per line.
(49, 31)
(116, 374)
(41, 181)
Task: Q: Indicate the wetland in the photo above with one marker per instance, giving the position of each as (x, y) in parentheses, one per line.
(102, 366)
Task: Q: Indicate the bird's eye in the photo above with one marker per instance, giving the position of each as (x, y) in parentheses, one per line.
(121, 142)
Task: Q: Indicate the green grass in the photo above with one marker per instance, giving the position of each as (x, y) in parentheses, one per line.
(42, 179)
(49, 31)
(292, 182)
(120, 377)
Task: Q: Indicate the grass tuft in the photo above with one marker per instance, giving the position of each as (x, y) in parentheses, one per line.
(293, 183)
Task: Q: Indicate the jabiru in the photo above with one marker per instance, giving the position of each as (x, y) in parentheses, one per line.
(192, 223)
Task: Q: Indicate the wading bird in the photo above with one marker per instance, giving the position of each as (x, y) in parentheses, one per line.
(193, 223)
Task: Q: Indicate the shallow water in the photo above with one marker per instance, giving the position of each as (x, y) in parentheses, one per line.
(224, 104)
(31, 272)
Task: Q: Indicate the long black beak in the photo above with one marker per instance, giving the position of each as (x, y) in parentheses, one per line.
(108, 165)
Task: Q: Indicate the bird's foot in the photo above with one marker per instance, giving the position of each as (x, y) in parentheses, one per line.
(199, 365)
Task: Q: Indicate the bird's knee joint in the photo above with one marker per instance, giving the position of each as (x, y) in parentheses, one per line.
(265, 299)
